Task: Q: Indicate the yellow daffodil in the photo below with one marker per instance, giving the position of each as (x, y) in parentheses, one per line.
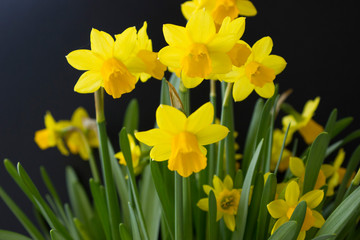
(135, 155)
(219, 9)
(307, 127)
(254, 69)
(297, 168)
(283, 209)
(52, 134)
(82, 135)
(335, 172)
(180, 139)
(114, 65)
(197, 51)
(227, 200)
(278, 138)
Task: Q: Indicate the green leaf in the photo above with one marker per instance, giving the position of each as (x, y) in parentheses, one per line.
(8, 235)
(56, 235)
(268, 195)
(213, 226)
(341, 125)
(330, 124)
(342, 215)
(285, 231)
(282, 149)
(299, 216)
(242, 212)
(134, 223)
(131, 119)
(352, 136)
(125, 147)
(324, 237)
(314, 160)
(124, 233)
(164, 93)
(20, 215)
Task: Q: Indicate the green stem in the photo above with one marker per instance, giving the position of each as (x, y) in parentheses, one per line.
(178, 207)
(212, 147)
(110, 190)
(92, 162)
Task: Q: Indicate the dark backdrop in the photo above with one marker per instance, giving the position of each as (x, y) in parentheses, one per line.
(317, 38)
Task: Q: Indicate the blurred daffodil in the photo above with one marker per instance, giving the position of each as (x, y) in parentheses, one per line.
(254, 69)
(283, 209)
(297, 168)
(180, 139)
(307, 127)
(197, 51)
(227, 200)
(219, 9)
(115, 65)
(278, 138)
(135, 155)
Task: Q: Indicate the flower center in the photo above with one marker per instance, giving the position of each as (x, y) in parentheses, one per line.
(197, 63)
(308, 221)
(229, 201)
(239, 54)
(117, 79)
(224, 8)
(259, 74)
(186, 156)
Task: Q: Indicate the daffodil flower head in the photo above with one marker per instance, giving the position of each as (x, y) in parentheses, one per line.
(282, 209)
(258, 72)
(297, 168)
(227, 200)
(197, 51)
(135, 155)
(111, 64)
(307, 127)
(180, 139)
(219, 9)
(51, 135)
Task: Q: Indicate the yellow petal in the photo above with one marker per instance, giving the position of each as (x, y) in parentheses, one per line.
(277, 208)
(153, 137)
(319, 219)
(201, 118)
(190, 82)
(236, 27)
(327, 169)
(143, 40)
(61, 147)
(297, 167)
(49, 121)
(207, 189)
(229, 221)
(160, 152)
(274, 62)
(212, 134)
(218, 184)
(201, 27)
(262, 48)
(222, 43)
(246, 8)
(310, 107)
(313, 198)
(42, 138)
(203, 204)
(88, 82)
(292, 194)
(171, 56)
(101, 43)
(176, 36)
(267, 91)
(302, 235)
(339, 159)
(310, 131)
(228, 182)
(170, 119)
(84, 60)
(78, 117)
(220, 63)
(242, 89)
(125, 44)
(188, 8)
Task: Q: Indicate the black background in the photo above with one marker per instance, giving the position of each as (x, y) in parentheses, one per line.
(318, 39)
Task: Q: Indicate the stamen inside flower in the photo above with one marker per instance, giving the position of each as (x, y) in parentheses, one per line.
(117, 79)
(186, 156)
(259, 74)
(228, 201)
(224, 8)
(239, 54)
(197, 63)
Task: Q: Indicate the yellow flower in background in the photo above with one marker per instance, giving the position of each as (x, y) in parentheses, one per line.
(283, 209)
(180, 139)
(52, 134)
(278, 138)
(307, 127)
(197, 51)
(227, 200)
(83, 134)
(135, 155)
(219, 9)
(335, 172)
(255, 69)
(297, 168)
(114, 65)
